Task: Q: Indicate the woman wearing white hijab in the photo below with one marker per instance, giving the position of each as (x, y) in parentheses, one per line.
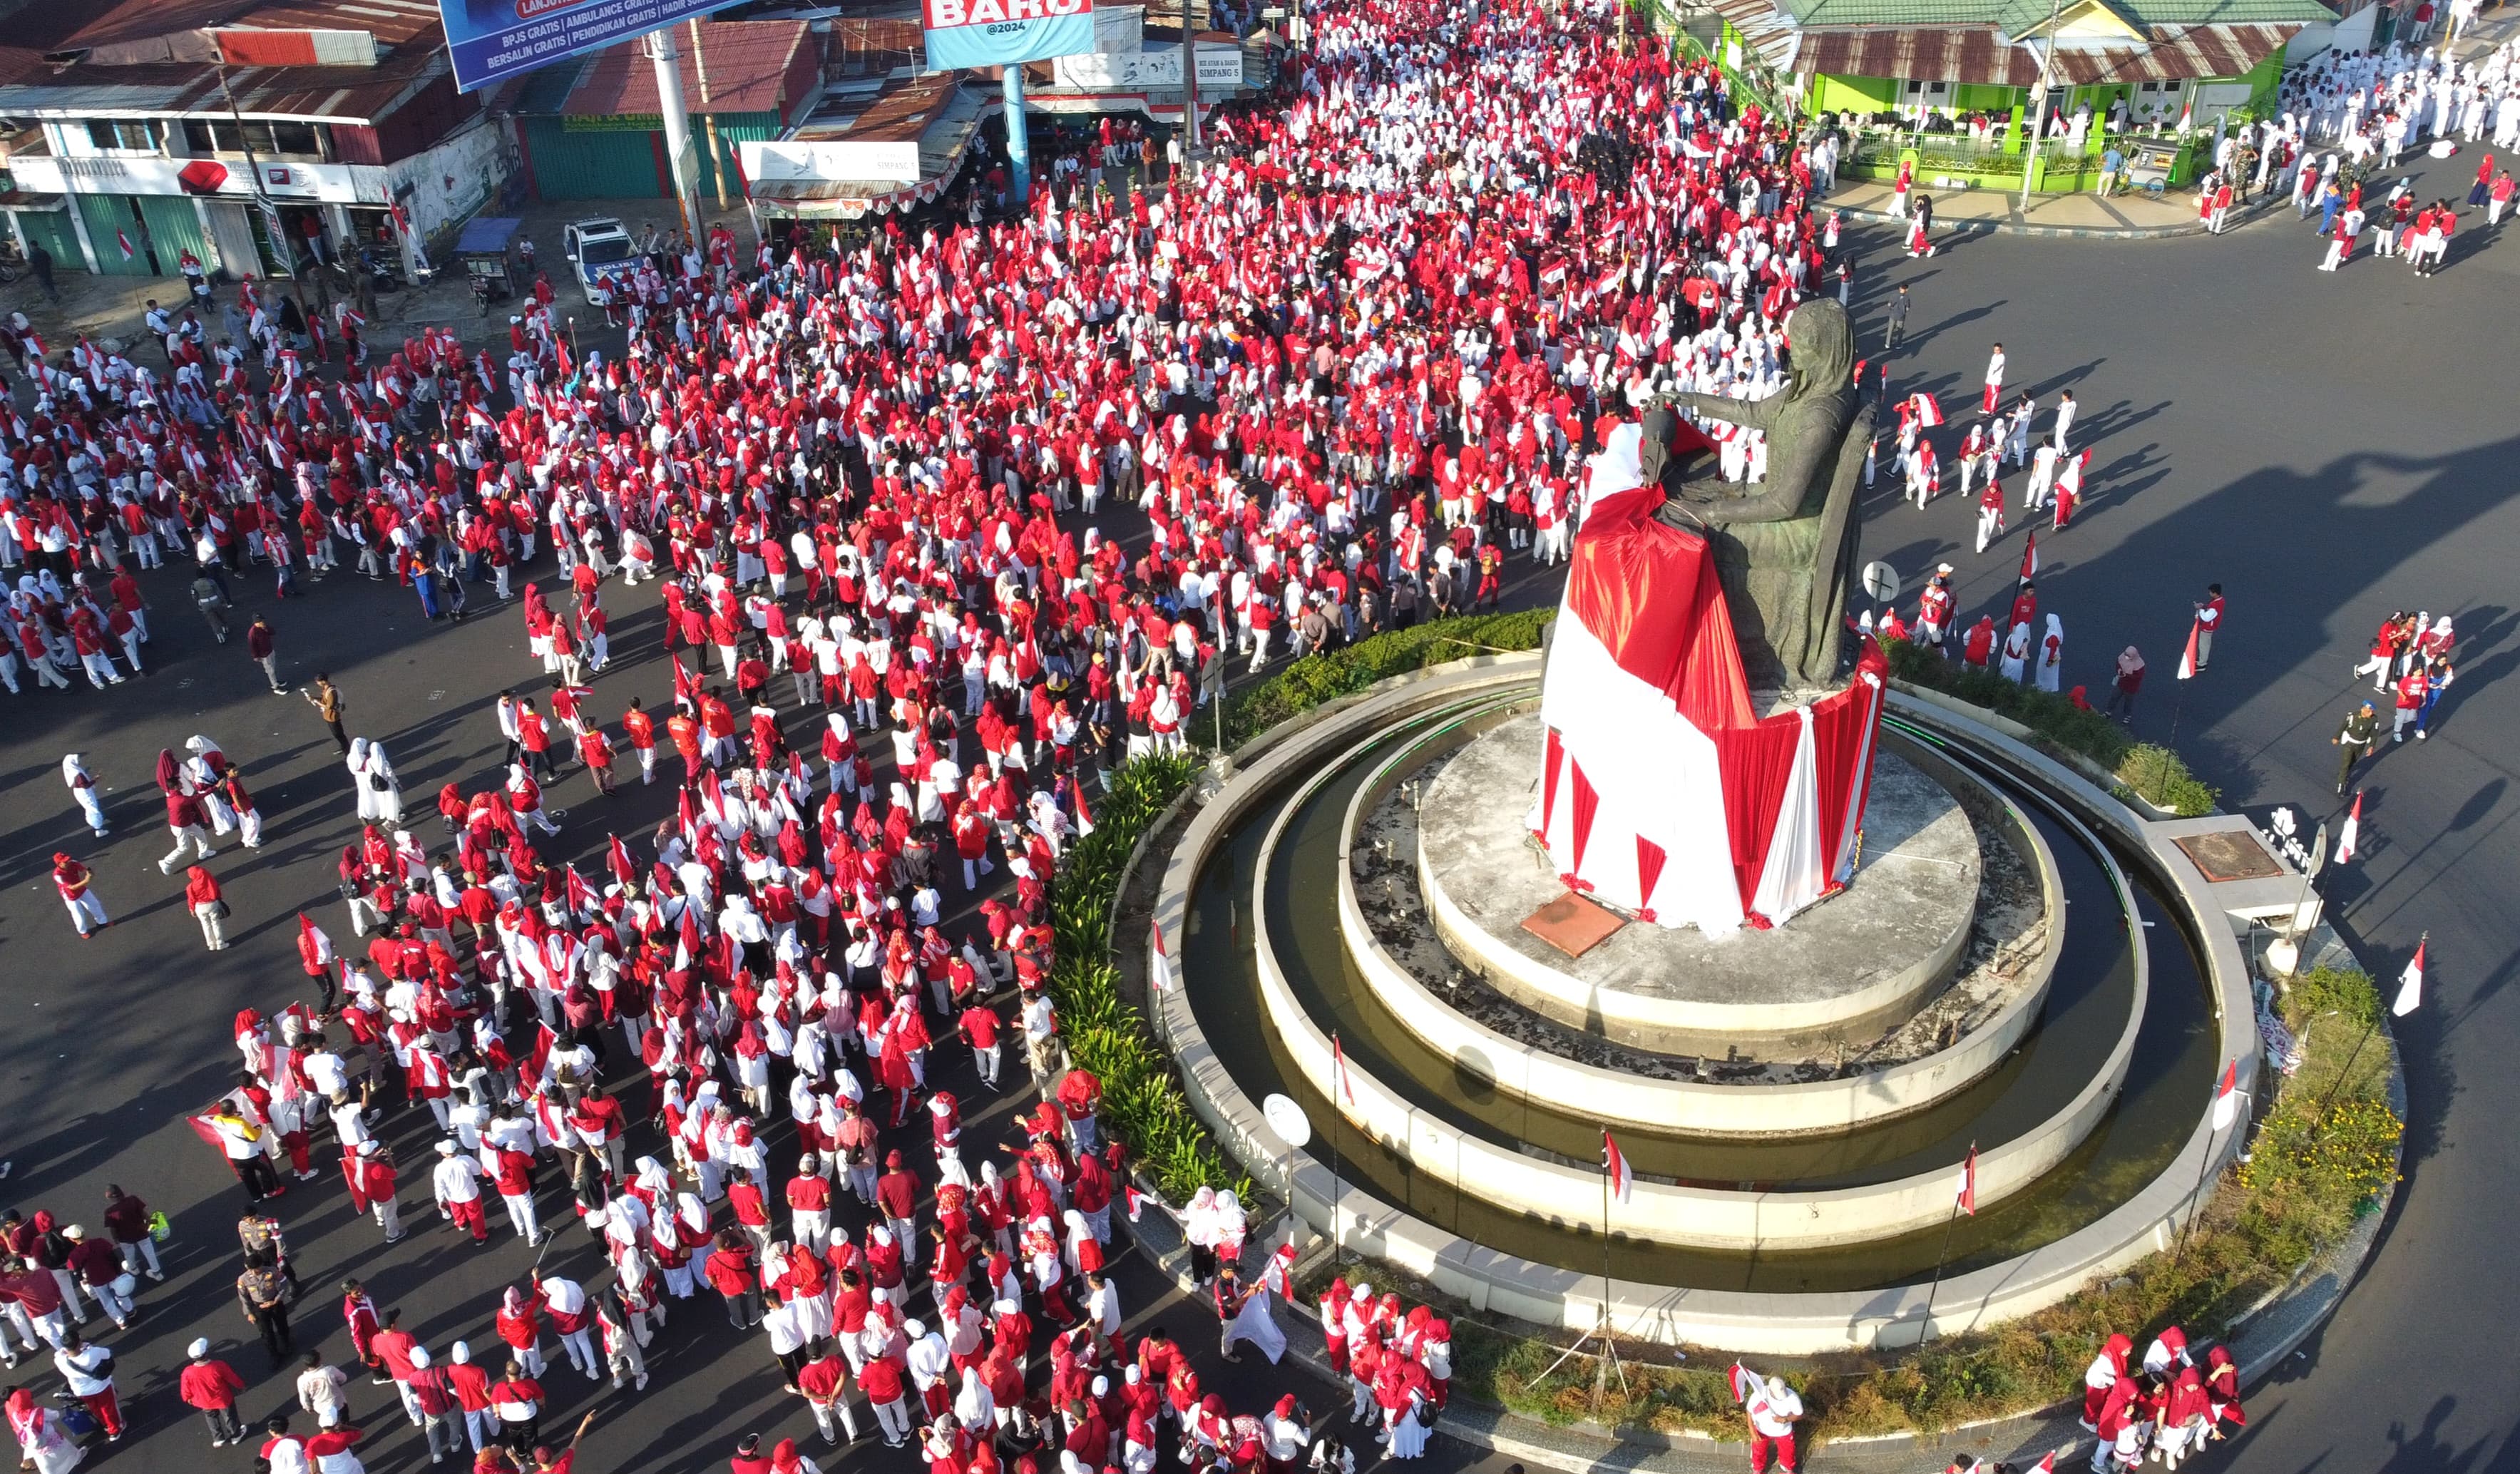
(1231, 1228)
(2051, 655)
(202, 773)
(82, 787)
(379, 796)
(1199, 1230)
(974, 1407)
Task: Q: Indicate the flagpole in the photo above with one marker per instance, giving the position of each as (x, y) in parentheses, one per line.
(1943, 1255)
(1338, 1184)
(2194, 1193)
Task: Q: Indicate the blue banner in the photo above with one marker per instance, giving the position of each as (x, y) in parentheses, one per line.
(1002, 32)
(492, 39)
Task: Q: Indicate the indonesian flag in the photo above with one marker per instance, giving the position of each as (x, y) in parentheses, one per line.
(1159, 967)
(1966, 1199)
(2029, 556)
(2188, 115)
(1339, 1067)
(125, 242)
(2048, 1466)
(314, 944)
(1746, 1384)
(2226, 1097)
(1929, 410)
(618, 856)
(1623, 1181)
(1134, 1198)
(581, 898)
(683, 810)
(2188, 656)
(2410, 983)
(1085, 823)
(2353, 831)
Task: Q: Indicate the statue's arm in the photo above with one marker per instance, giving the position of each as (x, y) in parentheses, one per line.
(1756, 414)
(1771, 501)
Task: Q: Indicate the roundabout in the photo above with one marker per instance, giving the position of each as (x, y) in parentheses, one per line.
(1444, 1136)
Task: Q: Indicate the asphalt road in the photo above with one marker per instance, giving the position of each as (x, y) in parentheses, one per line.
(2326, 446)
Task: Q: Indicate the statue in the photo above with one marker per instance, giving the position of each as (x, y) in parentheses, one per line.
(1785, 546)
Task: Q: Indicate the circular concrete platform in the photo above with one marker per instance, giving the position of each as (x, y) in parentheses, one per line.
(1840, 974)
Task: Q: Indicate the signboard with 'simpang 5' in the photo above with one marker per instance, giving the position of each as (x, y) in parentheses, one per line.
(1003, 32)
(491, 39)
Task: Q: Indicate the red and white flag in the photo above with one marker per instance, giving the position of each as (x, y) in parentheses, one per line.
(1966, 1200)
(2226, 1097)
(1085, 819)
(1339, 1067)
(2410, 983)
(2188, 656)
(1160, 968)
(2353, 831)
(1134, 1198)
(1623, 1181)
(1929, 411)
(618, 856)
(2029, 556)
(2048, 1466)
(125, 242)
(1745, 1383)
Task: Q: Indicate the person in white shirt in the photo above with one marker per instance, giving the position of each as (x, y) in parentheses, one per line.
(456, 1180)
(1773, 1410)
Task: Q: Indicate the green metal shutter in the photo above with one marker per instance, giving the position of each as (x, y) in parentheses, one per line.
(591, 165)
(175, 225)
(106, 215)
(51, 229)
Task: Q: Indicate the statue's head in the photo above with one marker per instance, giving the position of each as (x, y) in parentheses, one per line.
(1824, 347)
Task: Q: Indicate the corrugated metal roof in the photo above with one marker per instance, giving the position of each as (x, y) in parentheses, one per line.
(1765, 26)
(1979, 54)
(748, 61)
(1919, 52)
(2177, 55)
(2018, 19)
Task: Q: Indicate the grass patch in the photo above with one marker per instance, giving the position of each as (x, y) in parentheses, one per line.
(2160, 775)
(1315, 679)
(1143, 1104)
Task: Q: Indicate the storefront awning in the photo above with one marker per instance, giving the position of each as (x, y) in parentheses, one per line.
(1980, 55)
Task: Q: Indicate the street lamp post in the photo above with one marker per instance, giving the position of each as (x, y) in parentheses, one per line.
(2038, 103)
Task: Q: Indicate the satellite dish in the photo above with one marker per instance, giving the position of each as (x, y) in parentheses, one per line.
(1881, 581)
(1287, 1120)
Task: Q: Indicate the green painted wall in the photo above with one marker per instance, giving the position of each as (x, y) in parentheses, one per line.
(732, 128)
(570, 165)
(106, 214)
(51, 229)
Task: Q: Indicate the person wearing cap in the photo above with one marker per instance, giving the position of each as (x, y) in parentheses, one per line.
(456, 1182)
(264, 1293)
(211, 1385)
(748, 1457)
(77, 884)
(372, 1173)
(2360, 736)
(809, 1205)
(98, 1268)
(1772, 1410)
(432, 1397)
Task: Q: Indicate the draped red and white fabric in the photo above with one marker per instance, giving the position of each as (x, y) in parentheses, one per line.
(1661, 792)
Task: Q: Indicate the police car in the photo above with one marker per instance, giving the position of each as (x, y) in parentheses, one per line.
(598, 249)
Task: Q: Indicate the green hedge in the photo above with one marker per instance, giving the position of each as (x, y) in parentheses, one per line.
(1143, 1105)
(1316, 679)
(2153, 771)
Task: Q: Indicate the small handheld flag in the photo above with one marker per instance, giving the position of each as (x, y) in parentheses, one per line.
(2410, 983)
(2226, 1097)
(1966, 1199)
(2188, 656)
(2028, 556)
(1615, 1162)
(1744, 1382)
(125, 242)
(1159, 971)
(1339, 1067)
(2352, 833)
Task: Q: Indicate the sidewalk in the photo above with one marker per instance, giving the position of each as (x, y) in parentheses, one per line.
(2132, 216)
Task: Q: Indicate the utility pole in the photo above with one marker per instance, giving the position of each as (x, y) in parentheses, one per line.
(283, 250)
(700, 63)
(2038, 102)
(1189, 85)
(678, 127)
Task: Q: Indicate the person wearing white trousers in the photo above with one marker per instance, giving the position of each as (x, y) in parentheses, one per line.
(82, 787)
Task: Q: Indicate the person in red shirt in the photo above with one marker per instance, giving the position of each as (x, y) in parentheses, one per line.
(211, 1385)
(730, 1271)
(549, 1461)
(885, 1380)
(640, 730)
